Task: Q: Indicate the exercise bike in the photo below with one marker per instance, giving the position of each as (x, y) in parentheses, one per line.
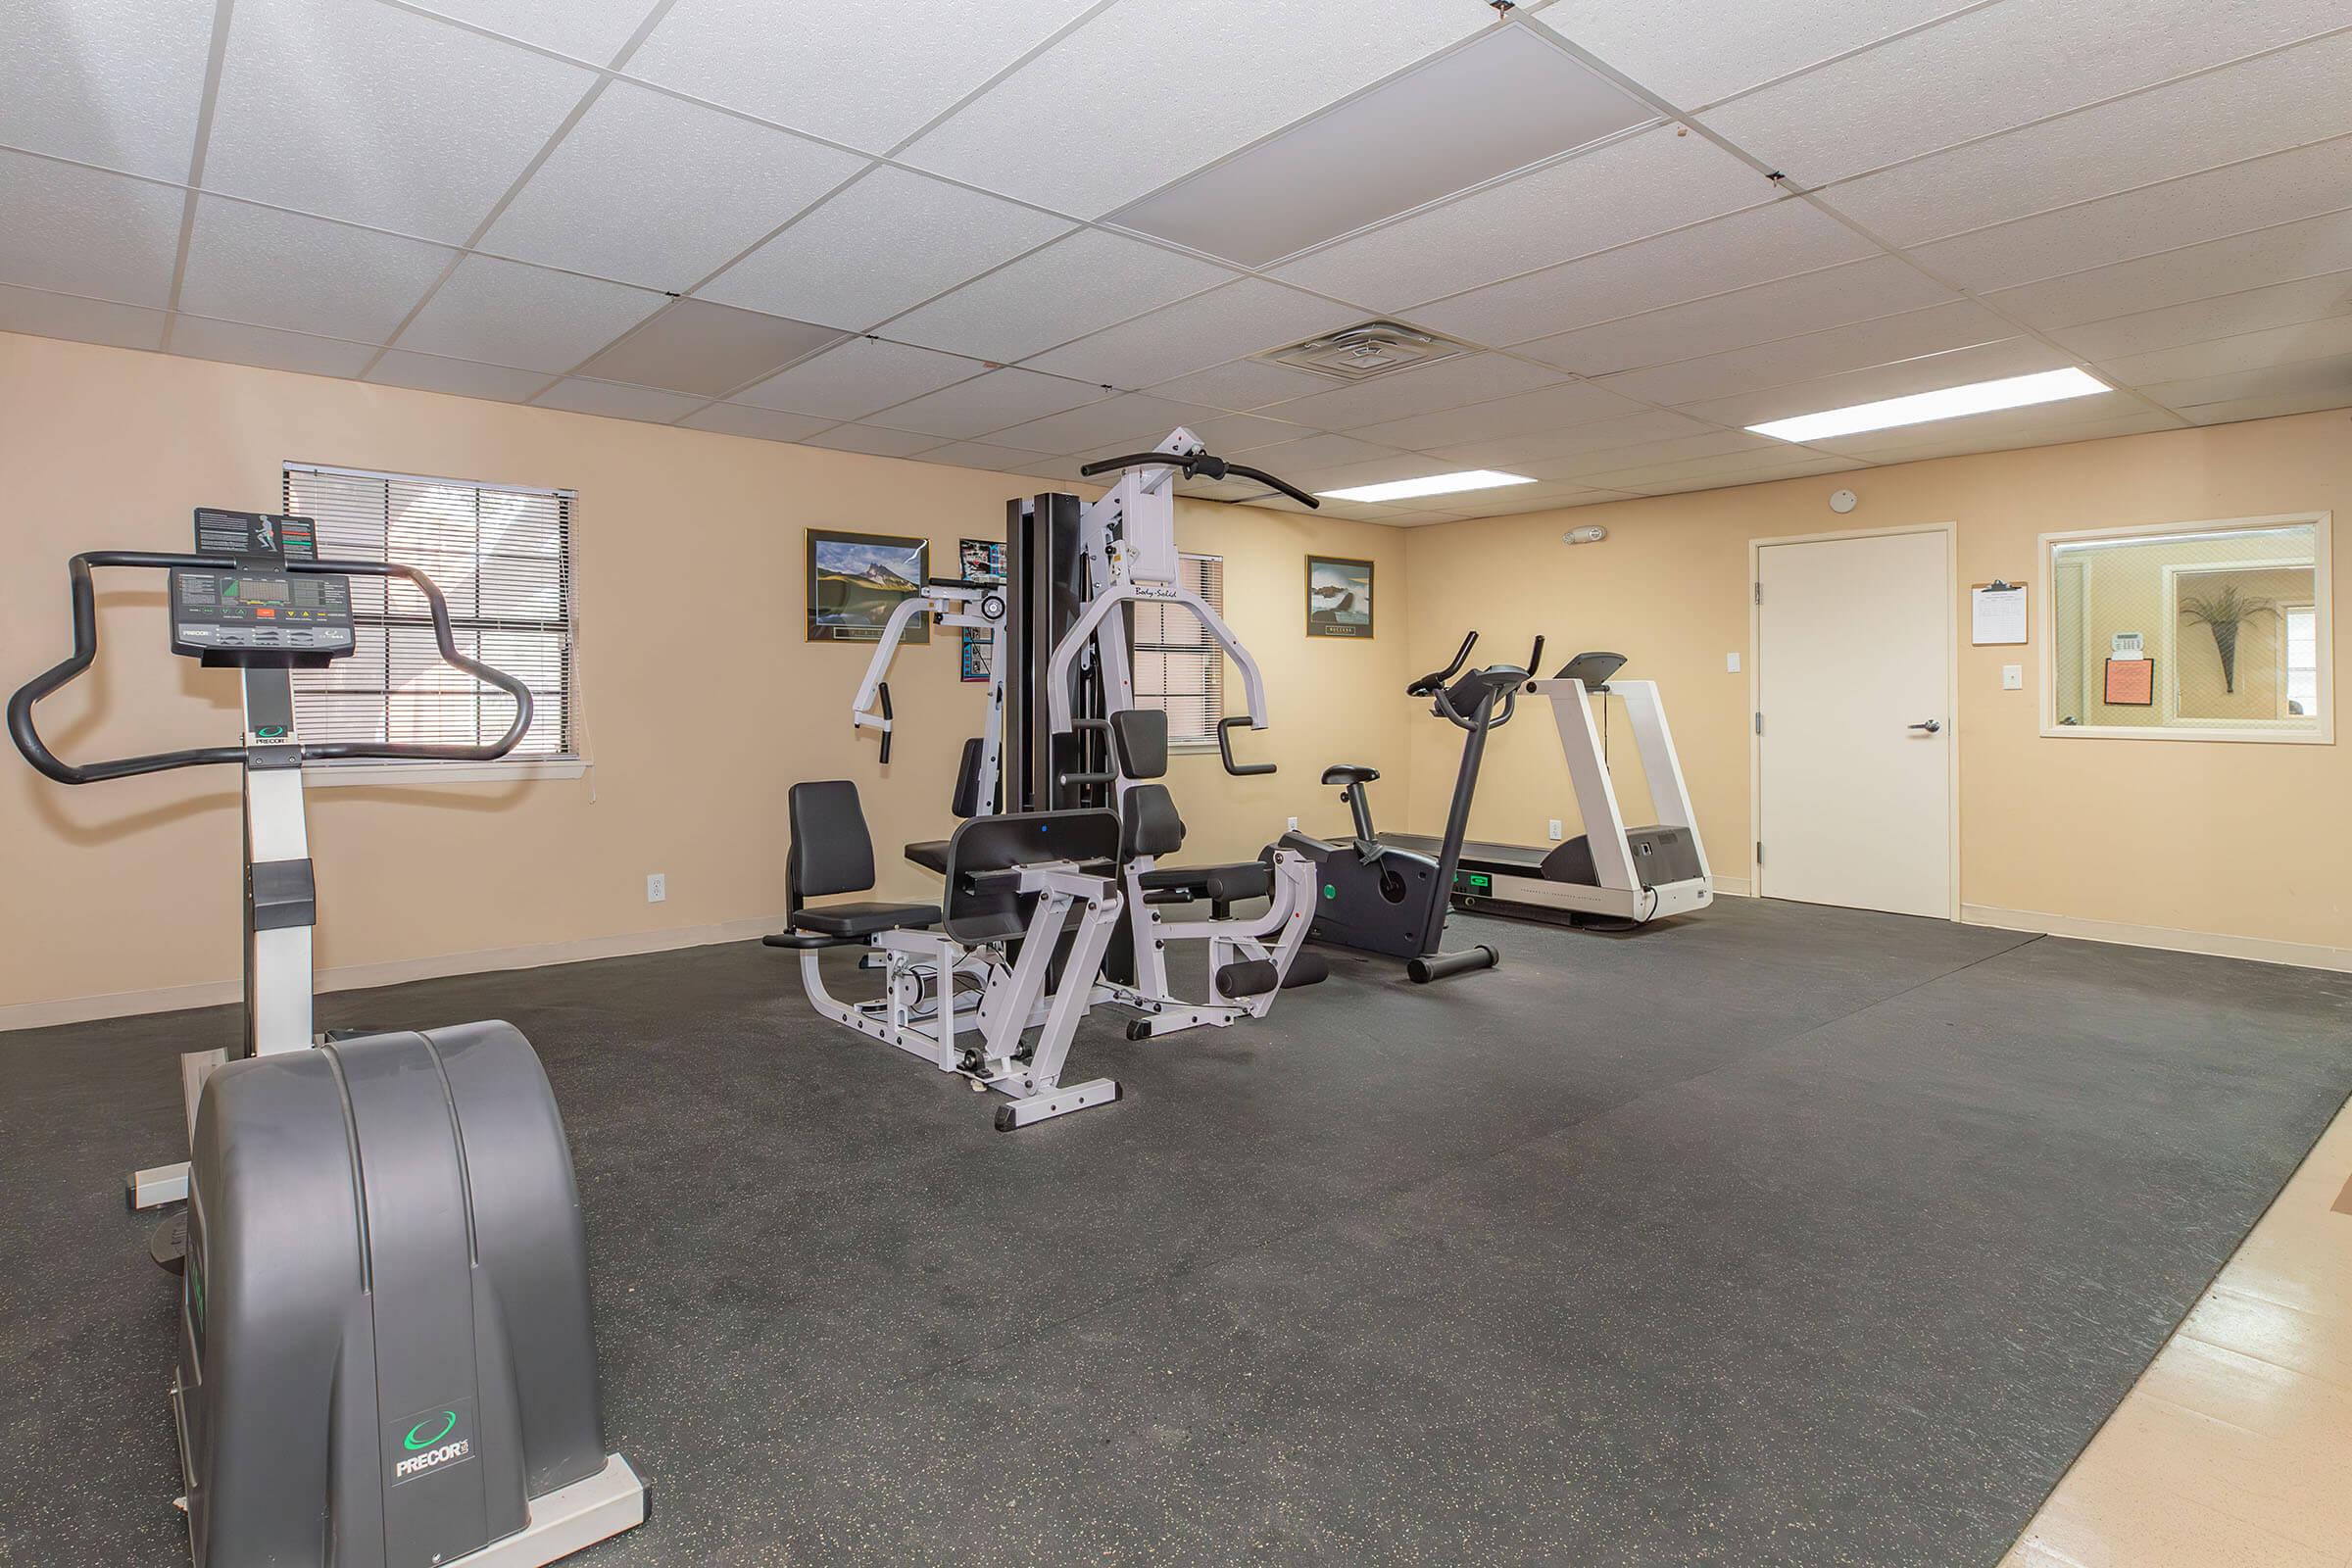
(385, 1349)
(1378, 896)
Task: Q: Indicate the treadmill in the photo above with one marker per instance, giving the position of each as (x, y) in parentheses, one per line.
(1611, 874)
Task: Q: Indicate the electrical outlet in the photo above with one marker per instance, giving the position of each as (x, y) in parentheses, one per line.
(1730, 663)
(1558, 833)
(656, 887)
(2013, 677)
(1294, 824)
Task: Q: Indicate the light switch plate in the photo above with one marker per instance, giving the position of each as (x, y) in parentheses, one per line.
(2013, 677)
(1730, 663)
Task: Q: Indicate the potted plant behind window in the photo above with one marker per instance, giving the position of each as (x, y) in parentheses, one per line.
(2221, 614)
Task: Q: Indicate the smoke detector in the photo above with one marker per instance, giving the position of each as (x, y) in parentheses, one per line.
(1360, 353)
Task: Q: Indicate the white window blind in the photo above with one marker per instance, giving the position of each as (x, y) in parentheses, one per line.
(1178, 667)
(501, 555)
(2302, 659)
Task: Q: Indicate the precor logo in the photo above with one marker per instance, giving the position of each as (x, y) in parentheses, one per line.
(430, 1439)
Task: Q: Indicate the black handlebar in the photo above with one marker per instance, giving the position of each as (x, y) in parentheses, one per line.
(1201, 465)
(1225, 749)
(27, 738)
(1435, 678)
(882, 690)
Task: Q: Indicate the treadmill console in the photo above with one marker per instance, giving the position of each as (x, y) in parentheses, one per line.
(258, 613)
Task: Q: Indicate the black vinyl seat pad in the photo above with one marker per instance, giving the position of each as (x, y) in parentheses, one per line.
(930, 853)
(1250, 879)
(864, 918)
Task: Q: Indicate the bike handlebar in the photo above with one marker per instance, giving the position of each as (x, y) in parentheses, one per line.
(27, 738)
(1437, 679)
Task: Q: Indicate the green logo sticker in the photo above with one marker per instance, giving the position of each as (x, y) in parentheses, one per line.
(412, 1443)
(1330, 892)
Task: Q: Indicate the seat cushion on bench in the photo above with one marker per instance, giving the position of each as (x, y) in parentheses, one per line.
(864, 919)
(1226, 883)
(931, 855)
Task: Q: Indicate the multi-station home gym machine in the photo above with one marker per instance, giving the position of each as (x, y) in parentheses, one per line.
(385, 1352)
(1063, 734)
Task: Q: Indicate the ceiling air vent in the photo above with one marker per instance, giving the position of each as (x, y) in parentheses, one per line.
(1360, 353)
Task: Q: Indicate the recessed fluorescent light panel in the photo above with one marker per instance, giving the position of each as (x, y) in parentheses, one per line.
(1952, 403)
(1435, 484)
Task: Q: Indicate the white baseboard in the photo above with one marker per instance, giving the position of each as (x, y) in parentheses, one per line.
(2262, 949)
(1739, 887)
(398, 971)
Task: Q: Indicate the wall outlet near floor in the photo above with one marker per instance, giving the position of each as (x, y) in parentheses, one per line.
(1558, 833)
(1294, 824)
(2013, 677)
(656, 887)
(1730, 663)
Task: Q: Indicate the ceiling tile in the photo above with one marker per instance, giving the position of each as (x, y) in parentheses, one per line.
(2277, 189)
(2006, 427)
(378, 115)
(1074, 286)
(1319, 453)
(1570, 403)
(874, 439)
(1695, 52)
(763, 424)
(1985, 361)
(1133, 418)
(2315, 380)
(78, 231)
(1628, 190)
(2243, 111)
(1649, 427)
(1348, 475)
(648, 189)
(2248, 351)
(1242, 386)
(504, 312)
(1248, 69)
(274, 269)
(585, 29)
(2300, 250)
(2253, 309)
(888, 242)
(868, 75)
(2323, 400)
(986, 403)
(1580, 466)
(1423, 389)
(1994, 67)
(706, 349)
(1756, 246)
(1556, 501)
(581, 395)
(1242, 318)
(1960, 446)
(1762, 312)
(1816, 353)
(1425, 134)
(1737, 468)
(267, 347)
(859, 376)
(1231, 434)
(113, 82)
(431, 373)
(46, 315)
(996, 459)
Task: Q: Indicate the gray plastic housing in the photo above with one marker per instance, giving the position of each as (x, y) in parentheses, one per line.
(386, 1348)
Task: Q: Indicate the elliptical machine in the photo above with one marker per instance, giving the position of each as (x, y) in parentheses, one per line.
(1383, 898)
(386, 1353)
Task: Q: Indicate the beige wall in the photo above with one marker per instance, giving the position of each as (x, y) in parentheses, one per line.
(131, 887)
(2243, 839)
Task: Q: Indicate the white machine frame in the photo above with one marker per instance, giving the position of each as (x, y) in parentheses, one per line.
(979, 607)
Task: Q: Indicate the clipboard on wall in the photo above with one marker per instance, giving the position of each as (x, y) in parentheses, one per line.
(1997, 612)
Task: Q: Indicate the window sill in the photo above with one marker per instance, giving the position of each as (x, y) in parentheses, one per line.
(344, 775)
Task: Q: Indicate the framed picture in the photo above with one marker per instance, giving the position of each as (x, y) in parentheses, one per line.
(1339, 597)
(981, 560)
(857, 579)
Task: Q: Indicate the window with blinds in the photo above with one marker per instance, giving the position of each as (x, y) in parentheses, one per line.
(1177, 666)
(501, 555)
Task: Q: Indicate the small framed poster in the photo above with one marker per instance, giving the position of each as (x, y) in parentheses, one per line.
(981, 561)
(2131, 682)
(856, 581)
(1339, 597)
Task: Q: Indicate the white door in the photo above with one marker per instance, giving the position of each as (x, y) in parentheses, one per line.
(1854, 753)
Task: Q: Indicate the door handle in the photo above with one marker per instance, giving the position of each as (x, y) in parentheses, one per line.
(1930, 725)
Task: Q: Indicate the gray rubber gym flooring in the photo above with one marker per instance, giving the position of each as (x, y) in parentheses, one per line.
(1776, 1236)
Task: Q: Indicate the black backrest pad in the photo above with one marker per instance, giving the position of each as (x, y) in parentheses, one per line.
(831, 849)
(1142, 736)
(966, 800)
(988, 909)
(1149, 823)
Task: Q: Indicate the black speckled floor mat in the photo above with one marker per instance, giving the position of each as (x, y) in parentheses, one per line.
(1776, 1236)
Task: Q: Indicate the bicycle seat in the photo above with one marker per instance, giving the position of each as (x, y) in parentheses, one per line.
(1350, 773)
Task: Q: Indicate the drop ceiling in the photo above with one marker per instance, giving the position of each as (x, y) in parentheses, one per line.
(1021, 235)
